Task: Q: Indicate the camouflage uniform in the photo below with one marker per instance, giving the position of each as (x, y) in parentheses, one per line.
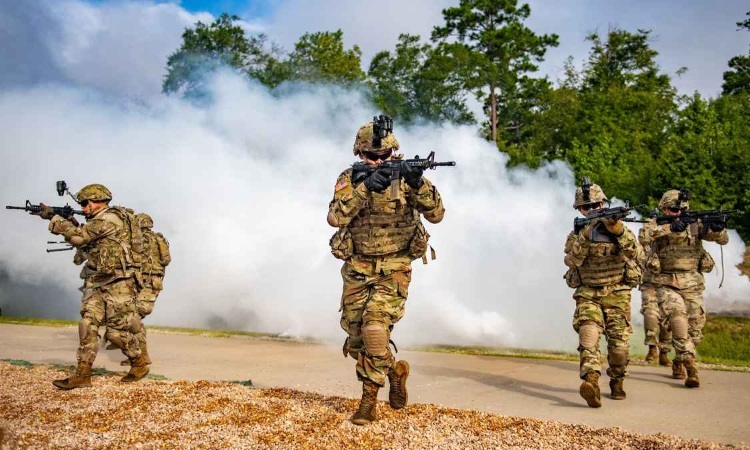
(156, 257)
(110, 284)
(677, 260)
(377, 238)
(603, 268)
(655, 326)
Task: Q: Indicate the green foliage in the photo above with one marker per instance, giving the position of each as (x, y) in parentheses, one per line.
(497, 51)
(418, 82)
(726, 341)
(737, 79)
(321, 58)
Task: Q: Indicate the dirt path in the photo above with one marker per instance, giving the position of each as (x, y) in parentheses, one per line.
(717, 411)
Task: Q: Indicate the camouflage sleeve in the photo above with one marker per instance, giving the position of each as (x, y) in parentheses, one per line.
(576, 249)
(629, 245)
(720, 237)
(644, 234)
(427, 200)
(654, 232)
(91, 231)
(347, 201)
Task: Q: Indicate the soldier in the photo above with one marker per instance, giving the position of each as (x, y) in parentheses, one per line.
(110, 243)
(677, 259)
(658, 337)
(603, 267)
(155, 259)
(378, 238)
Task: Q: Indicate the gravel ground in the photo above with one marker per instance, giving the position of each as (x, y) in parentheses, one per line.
(201, 415)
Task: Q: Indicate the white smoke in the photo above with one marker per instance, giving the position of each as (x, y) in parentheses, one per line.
(241, 190)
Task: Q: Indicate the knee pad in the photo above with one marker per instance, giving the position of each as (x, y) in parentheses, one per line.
(588, 335)
(650, 320)
(618, 357)
(679, 325)
(376, 339)
(114, 337)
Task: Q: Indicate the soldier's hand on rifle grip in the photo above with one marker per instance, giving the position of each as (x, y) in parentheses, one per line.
(717, 226)
(378, 181)
(678, 226)
(74, 221)
(45, 212)
(412, 175)
(615, 226)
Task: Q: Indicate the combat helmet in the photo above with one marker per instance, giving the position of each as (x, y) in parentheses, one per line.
(364, 141)
(595, 194)
(144, 220)
(94, 192)
(675, 198)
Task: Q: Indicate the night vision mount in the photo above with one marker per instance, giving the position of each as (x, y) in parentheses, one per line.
(381, 126)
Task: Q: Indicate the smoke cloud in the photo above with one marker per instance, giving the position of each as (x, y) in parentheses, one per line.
(241, 188)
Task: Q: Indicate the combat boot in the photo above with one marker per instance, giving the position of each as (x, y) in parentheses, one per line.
(652, 354)
(664, 358)
(678, 370)
(81, 378)
(138, 369)
(615, 387)
(589, 389)
(368, 406)
(692, 380)
(397, 394)
(144, 353)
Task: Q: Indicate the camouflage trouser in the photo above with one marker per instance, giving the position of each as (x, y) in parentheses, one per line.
(655, 325)
(145, 301)
(686, 304)
(372, 301)
(608, 311)
(111, 306)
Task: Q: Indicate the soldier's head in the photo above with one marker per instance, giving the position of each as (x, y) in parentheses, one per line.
(589, 197)
(93, 198)
(375, 141)
(674, 201)
(144, 221)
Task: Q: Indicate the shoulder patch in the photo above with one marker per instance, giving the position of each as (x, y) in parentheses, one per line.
(341, 184)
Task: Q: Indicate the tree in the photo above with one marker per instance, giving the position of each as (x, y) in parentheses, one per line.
(418, 82)
(499, 51)
(222, 43)
(320, 57)
(737, 79)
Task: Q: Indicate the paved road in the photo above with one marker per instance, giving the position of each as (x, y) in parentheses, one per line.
(719, 410)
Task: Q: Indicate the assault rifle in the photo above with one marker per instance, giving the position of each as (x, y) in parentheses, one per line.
(708, 217)
(361, 170)
(65, 211)
(614, 213)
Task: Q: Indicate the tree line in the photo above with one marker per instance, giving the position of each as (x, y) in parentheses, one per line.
(617, 119)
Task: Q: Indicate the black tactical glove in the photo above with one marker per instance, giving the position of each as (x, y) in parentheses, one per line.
(412, 175)
(379, 180)
(717, 226)
(678, 226)
(45, 213)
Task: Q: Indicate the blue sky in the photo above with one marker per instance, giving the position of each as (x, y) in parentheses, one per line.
(258, 8)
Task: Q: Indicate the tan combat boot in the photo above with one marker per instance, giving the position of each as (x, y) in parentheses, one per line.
(678, 370)
(144, 353)
(615, 386)
(81, 378)
(368, 406)
(397, 395)
(589, 390)
(692, 380)
(138, 370)
(652, 354)
(664, 358)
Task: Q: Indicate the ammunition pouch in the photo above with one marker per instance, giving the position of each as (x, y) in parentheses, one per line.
(706, 263)
(342, 245)
(573, 278)
(653, 264)
(633, 273)
(419, 242)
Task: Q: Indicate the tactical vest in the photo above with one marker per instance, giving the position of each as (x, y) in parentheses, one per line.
(678, 252)
(383, 226)
(120, 254)
(604, 265)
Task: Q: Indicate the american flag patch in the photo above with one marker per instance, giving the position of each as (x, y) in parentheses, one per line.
(341, 185)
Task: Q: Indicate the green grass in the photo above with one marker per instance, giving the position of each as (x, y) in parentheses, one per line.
(96, 371)
(726, 340)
